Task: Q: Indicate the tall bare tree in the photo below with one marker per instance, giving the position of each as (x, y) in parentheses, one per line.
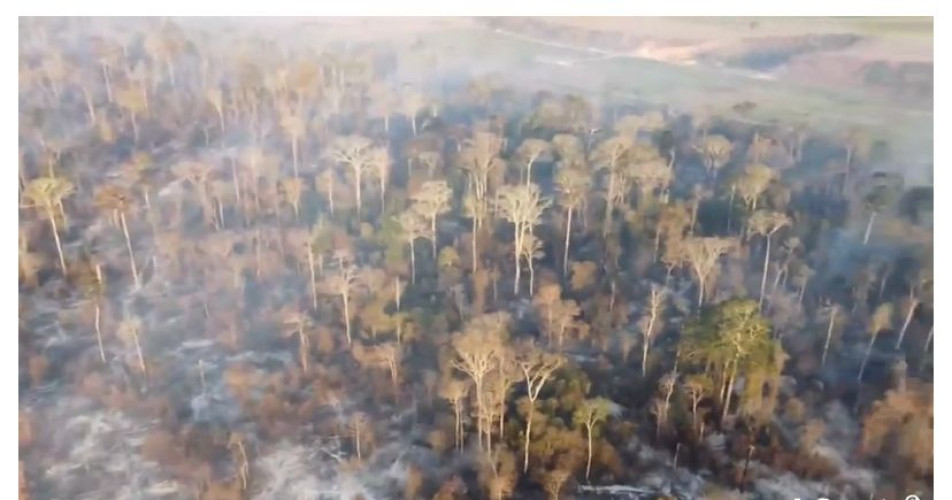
(608, 156)
(650, 321)
(379, 164)
(294, 127)
(413, 226)
(455, 392)
(523, 206)
(411, 103)
(537, 367)
(343, 282)
(477, 350)
(588, 415)
(702, 255)
(354, 152)
(432, 200)
(531, 151)
(715, 151)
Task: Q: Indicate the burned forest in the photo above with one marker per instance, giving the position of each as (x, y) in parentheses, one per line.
(251, 269)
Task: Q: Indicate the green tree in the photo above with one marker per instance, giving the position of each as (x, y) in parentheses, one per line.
(730, 338)
(588, 415)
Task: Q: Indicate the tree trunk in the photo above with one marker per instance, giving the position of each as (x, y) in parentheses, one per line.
(475, 263)
(763, 277)
(346, 317)
(525, 460)
(905, 324)
(132, 257)
(221, 121)
(107, 81)
(568, 236)
(433, 233)
(609, 205)
(357, 182)
(294, 156)
(588, 464)
(302, 350)
(102, 352)
(730, 390)
(396, 295)
(700, 292)
(531, 277)
(459, 426)
(235, 182)
(479, 410)
(135, 338)
(412, 265)
(59, 246)
(413, 124)
(869, 350)
(829, 335)
(516, 245)
(221, 214)
(849, 167)
(869, 227)
(310, 266)
(730, 209)
(694, 403)
(90, 108)
(135, 127)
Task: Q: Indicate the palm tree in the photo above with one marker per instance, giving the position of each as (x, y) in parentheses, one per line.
(880, 195)
(881, 320)
(47, 195)
(573, 186)
(93, 289)
(116, 201)
(131, 100)
(130, 330)
(766, 223)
